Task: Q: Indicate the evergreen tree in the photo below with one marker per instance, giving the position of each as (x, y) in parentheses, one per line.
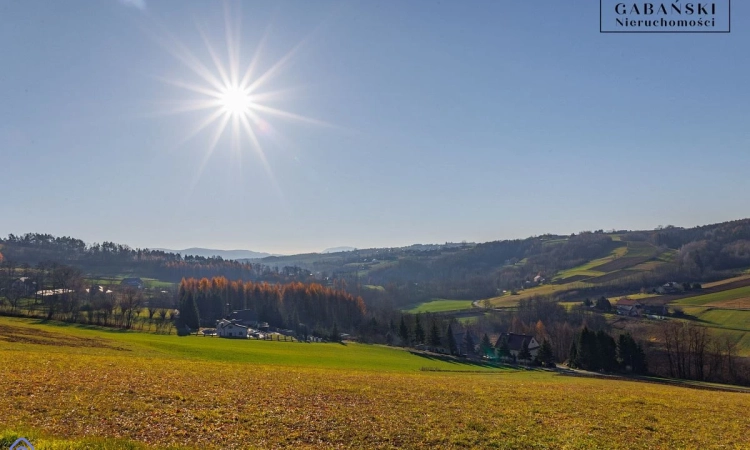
(403, 332)
(435, 340)
(452, 346)
(603, 304)
(189, 311)
(485, 345)
(587, 351)
(418, 330)
(503, 349)
(545, 355)
(606, 351)
(573, 354)
(335, 335)
(469, 343)
(524, 354)
(630, 355)
(639, 360)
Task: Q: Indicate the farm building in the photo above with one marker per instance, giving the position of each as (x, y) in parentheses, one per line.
(628, 307)
(228, 329)
(99, 289)
(246, 317)
(48, 292)
(669, 288)
(515, 342)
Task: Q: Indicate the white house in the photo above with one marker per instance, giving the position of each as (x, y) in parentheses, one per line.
(227, 329)
(516, 341)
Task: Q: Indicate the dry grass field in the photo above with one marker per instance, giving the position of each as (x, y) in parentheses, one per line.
(71, 387)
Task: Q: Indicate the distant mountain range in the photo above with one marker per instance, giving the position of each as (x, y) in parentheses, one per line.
(225, 254)
(338, 249)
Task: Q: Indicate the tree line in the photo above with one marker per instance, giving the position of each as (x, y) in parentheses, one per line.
(111, 258)
(294, 306)
(60, 292)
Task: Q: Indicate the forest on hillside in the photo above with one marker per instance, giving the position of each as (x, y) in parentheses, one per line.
(412, 274)
(109, 258)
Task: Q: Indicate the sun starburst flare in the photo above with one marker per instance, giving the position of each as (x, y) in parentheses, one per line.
(235, 100)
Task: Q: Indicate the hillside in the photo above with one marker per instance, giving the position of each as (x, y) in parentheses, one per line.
(211, 253)
(587, 263)
(80, 387)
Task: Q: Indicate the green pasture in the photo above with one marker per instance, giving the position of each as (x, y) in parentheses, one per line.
(722, 296)
(440, 305)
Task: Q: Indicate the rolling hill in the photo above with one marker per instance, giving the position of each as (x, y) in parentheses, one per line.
(80, 387)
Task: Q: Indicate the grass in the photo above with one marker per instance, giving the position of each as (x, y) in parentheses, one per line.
(154, 283)
(115, 280)
(726, 281)
(508, 300)
(440, 305)
(586, 269)
(144, 391)
(730, 295)
(639, 296)
(732, 323)
(374, 287)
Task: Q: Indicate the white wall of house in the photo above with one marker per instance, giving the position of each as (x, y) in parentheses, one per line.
(232, 330)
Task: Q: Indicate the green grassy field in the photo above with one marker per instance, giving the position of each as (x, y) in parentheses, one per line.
(726, 322)
(75, 387)
(508, 300)
(115, 280)
(739, 295)
(440, 305)
(586, 269)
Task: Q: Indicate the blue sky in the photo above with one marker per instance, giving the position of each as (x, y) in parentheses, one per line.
(449, 121)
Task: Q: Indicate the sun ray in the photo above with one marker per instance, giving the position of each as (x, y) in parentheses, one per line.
(191, 87)
(208, 121)
(233, 41)
(256, 56)
(215, 58)
(275, 68)
(207, 156)
(288, 115)
(273, 95)
(262, 156)
(186, 57)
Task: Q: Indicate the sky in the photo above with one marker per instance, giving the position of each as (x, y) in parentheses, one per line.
(378, 123)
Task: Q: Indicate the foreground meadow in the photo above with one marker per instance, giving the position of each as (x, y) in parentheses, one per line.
(70, 387)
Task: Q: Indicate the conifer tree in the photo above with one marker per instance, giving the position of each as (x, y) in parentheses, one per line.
(418, 330)
(545, 355)
(503, 348)
(435, 335)
(524, 354)
(469, 343)
(573, 354)
(452, 345)
(189, 311)
(403, 332)
(485, 345)
(335, 336)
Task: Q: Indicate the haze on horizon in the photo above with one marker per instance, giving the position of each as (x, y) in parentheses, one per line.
(401, 124)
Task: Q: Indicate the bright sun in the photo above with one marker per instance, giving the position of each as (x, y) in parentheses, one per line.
(235, 101)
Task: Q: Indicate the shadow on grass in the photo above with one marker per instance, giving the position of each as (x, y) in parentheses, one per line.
(82, 326)
(566, 372)
(466, 363)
